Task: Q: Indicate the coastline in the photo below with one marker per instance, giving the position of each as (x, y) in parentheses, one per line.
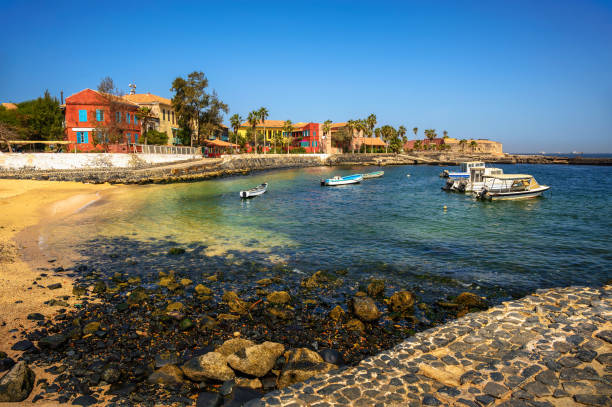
(26, 271)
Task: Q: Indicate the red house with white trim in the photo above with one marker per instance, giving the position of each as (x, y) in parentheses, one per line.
(89, 110)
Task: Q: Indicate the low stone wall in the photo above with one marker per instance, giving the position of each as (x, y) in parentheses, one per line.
(70, 161)
(271, 161)
(553, 348)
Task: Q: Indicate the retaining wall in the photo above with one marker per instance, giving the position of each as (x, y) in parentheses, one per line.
(70, 161)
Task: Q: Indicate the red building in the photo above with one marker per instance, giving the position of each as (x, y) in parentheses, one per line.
(308, 136)
(89, 110)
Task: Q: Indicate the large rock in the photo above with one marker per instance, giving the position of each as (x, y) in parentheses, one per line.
(256, 360)
(337, 313)
(17, 384)
(376, 288)
(470, 300)
(402, 301)
(365, 309)
(168, 375)
(302, 364)
(52, 341)
(232, 346)
(279, 297)
(212, 365)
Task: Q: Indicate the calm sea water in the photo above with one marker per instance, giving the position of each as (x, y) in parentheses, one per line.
(393, 227)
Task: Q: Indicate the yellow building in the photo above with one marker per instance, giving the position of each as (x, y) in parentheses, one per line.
(165, 119)
(272, 128)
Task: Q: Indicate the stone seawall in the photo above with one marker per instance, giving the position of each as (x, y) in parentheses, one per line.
(552, 348)
(197, 170)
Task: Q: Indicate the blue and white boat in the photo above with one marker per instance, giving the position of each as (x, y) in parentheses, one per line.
(337, 180)
(464, 170)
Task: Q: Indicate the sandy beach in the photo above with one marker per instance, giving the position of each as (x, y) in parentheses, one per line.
(24, 205)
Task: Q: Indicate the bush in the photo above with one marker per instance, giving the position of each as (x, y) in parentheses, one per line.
(156, 137)
(298, 150)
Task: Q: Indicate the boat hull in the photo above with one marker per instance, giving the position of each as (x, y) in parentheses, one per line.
(376, 174)
(251, 193)
(351, 179)
(505, 196)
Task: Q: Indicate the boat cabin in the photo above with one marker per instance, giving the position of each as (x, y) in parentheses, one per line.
(466, 166)
(477, 174)
(510, 182)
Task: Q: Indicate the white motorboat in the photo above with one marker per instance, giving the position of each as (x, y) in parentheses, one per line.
(253, 192)
(510, 186)
(337, 180)
(464, 170)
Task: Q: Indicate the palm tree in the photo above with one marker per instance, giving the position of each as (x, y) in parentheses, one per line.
(288, 129)
(401, 131)
(263, 115)
(236, 121)
(445, 134)
(430, 134)
(327, 128)
(351, 125)
(253, 121)
(415, 130)
(473, 144)
(462, 143)
(363, 129)
(371, 123)
(418, 145)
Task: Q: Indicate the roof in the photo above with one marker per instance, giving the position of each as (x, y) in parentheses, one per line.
(9, 106)
(145, 98)
(509, 176)
(336, 125)
(373, 141)
(81, 94)
(266, 123)
(220, 143)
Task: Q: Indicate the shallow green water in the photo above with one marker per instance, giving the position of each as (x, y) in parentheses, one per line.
(394, 227)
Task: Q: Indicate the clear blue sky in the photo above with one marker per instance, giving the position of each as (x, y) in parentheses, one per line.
(535, 75)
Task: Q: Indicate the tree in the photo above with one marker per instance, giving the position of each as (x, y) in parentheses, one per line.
(288, 129)
(263, 115)
(370, 123)
(445, 134)
(430, 134)
(236, 121)
(146, 116)
(327, 128)
(155, 137)
(197, 109)
(253, 122)
(351, 126)
(401, 132)
(415, 130)
(41, 119)
(6, 134)
(109, 131)
(463, 143)
(473, 144)
(418, 145)
(388, 134)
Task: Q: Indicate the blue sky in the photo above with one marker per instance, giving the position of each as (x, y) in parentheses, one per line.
(535, 75)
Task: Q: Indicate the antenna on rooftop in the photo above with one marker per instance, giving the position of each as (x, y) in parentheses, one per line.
(132, 88)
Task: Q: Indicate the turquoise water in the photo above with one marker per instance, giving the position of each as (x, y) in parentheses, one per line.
(393, 227)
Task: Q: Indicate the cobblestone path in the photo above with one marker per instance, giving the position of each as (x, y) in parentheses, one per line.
(552, 348)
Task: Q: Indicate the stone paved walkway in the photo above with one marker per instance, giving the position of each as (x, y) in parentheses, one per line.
(553, 348)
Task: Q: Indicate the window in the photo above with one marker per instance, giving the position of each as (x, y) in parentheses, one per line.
(135, 119)
(314, 134)
(304, 144)
(82, 137)
(129, 138)
(135, 137)
(164, 112)
(100, 115)
(82, 115)
(127, 118)
(118, 117)
(314, 143)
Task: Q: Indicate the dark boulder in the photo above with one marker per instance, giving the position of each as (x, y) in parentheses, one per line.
(17, 384)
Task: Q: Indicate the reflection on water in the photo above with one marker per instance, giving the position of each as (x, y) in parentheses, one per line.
(395, 227)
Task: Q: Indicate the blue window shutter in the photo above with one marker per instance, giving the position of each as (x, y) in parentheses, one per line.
(129, 138)
(98, 114)
(86, 138)
(135, 119)
(82, 115)
(78, 133)
(135, 137)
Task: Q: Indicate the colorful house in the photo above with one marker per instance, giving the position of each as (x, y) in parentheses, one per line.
(89, 113)
(165, 119)
(305, 135)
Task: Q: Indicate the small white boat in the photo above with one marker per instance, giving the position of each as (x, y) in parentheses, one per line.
(475, 181)
(375, 174)
(253, 192)
(510, 186)
(337, 180)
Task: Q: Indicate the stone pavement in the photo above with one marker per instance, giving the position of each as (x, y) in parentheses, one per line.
(552, 348)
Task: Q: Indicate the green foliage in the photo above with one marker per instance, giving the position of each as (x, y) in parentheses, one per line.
(39, 119)
(298, 150)
(155, 137)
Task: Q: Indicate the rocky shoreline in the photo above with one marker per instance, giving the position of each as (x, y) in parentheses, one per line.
(167, 337)
(244, 164)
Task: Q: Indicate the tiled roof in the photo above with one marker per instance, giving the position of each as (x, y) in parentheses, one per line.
(372, 141)
(336, 125)
(267, 123)
(9, 106)
(144, 98)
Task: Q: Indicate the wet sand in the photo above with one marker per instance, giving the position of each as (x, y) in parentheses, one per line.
(24, 206)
